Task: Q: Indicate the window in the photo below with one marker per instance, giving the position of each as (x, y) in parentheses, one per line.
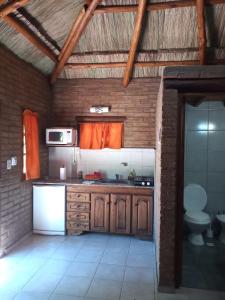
(101, 135)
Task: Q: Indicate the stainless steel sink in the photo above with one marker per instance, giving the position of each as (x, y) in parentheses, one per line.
(108, 181)
(113, 181)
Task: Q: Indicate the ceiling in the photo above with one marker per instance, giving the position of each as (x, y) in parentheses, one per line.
(167, 35)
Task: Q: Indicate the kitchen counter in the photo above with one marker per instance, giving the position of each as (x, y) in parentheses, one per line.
(106, 206)
(96, 185)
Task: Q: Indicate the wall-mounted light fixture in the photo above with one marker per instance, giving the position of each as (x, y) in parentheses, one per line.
(99, 109)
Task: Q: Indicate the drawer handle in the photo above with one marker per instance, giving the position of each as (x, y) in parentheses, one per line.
(78, 205)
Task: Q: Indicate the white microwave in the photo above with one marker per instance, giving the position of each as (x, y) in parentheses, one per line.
(61, 136)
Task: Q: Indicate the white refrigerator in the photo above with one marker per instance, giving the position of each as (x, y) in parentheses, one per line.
(49, 209)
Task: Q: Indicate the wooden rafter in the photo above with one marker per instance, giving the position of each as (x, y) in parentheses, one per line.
(88, 2)
(152, 6)
(102, 54)
(12, 6)
(72, 32)
(134, 42)
(74, 39)
(200, 10)
(29, 36)
(141, 64)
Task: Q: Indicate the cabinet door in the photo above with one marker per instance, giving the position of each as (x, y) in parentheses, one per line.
(120, 213)
(142, 215)
(100, 212)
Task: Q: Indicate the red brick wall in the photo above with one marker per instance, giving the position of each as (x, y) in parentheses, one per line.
(137, 103)
(166, 184)
(21, 86)
(168, 187)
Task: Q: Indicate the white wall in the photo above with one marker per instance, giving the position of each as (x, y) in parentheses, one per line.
(205, 151)
(107, 161)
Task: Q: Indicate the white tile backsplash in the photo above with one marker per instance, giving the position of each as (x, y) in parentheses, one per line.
(108, 161)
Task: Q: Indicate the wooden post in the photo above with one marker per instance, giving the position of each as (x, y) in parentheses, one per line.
(74, 40)
(12, 6)
(30, 37)
(200, 10)
(134, 42)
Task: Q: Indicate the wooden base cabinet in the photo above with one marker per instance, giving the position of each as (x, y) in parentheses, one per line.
(100, 212)
(142, 215)
(120, 213)
(78, 211)
(106, 211)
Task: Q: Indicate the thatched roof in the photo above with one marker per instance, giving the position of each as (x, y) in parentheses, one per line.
(167, 35)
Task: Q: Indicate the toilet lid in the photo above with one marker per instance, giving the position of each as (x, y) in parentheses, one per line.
(199, 216)
(195, 197)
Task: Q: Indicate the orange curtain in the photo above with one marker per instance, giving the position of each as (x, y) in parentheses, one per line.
(101, 135)
(115, 132)
(30, 123)
(85, 135)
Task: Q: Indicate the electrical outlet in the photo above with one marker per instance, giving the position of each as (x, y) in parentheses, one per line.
(9, 164)
(14, 160)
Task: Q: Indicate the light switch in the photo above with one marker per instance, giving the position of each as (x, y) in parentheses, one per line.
(9, 164)
(14, 160)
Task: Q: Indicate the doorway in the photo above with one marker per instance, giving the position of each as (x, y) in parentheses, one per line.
(203, 145)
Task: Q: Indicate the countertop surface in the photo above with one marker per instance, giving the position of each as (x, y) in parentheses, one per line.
(80, 182)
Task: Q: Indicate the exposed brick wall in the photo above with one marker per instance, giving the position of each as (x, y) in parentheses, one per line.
(169, 144)
(166, 182)
(137, 103)
(21, 86)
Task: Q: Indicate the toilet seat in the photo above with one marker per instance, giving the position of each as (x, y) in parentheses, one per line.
(195, 198)
(197, 217)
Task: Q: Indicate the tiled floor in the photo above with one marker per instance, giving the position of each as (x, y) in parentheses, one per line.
(204, 267)
(92, 266)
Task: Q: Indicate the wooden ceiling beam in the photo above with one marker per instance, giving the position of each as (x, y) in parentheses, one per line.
(200, 11)
(152, 6)
(74, 39)
(72, 32)
(141, 64)
(29, 36)
(11, 7)
(142, 52)
(134, 42)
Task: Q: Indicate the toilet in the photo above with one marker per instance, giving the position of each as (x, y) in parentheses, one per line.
(195, 200)
(221, 219)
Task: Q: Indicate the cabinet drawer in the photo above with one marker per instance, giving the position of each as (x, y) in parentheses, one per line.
(80, 197)
(77, 216)
(78, 206)
(78, 225)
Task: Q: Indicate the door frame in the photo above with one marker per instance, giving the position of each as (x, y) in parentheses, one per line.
(195, 98)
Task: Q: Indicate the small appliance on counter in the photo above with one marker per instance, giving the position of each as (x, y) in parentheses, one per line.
(143, 180)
